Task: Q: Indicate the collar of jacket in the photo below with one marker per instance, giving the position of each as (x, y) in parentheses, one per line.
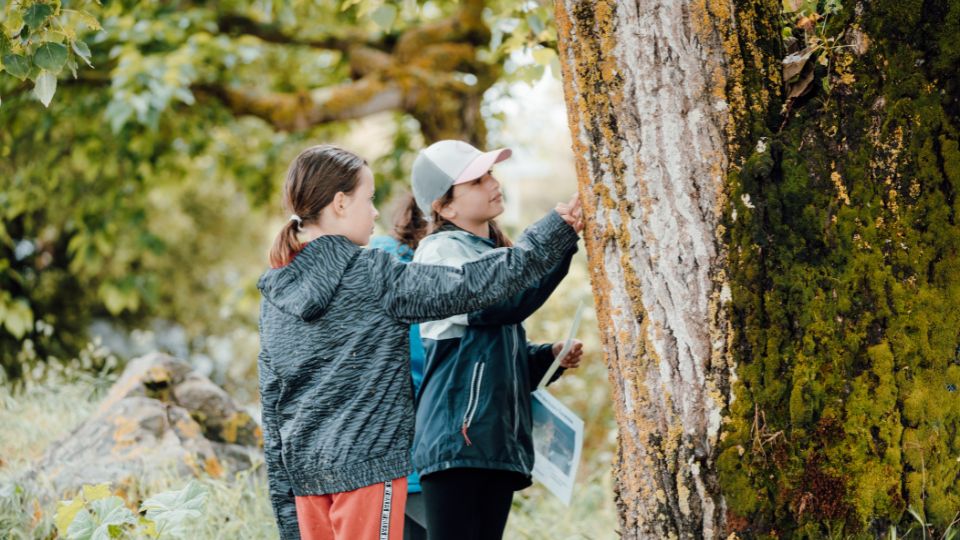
(447, 226)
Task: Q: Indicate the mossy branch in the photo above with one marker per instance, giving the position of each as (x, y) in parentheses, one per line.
(273, 33)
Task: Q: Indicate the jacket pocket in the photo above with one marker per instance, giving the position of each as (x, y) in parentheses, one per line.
(476, 380)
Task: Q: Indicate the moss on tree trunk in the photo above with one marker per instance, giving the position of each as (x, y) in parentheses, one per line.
(845, 276)
(840, 246)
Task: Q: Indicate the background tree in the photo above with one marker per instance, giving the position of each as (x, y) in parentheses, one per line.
(771, 190)
(134, 133)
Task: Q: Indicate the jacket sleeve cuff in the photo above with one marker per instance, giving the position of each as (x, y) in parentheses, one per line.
(562, 238)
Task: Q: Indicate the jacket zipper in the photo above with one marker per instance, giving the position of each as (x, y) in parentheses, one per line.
(516, 392)
(473, 401)
(516, 395)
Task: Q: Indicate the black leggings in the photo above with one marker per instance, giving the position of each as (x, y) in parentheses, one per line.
(468, 504)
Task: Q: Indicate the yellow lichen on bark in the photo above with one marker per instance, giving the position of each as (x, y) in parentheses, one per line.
(588, 112)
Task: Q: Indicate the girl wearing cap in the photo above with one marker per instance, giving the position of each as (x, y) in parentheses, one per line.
(473, 445)
(334, 374)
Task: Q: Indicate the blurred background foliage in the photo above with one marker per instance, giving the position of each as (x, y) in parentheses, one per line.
(136, 194)
(140, 194)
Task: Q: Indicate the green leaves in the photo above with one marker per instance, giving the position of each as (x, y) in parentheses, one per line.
(16, 65)
(38, 40)
(36, 14)
(15, 315)
(82, 50)
(546, 56)
(51, 57)
(120, 297)
(67, 510)
(95, 514)
(519, 29)
(384, 16)
(535, 23)
(45, 87)
(174, 511)
(14, 23)
(105, 519)
(76, 18)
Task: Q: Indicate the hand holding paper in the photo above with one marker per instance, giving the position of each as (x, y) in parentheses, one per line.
(573, 356)
(557, 431)
(567, 346)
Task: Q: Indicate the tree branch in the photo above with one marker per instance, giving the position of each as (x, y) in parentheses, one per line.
(465, 26)
(273, 33)
(299, 111)
(412, 76)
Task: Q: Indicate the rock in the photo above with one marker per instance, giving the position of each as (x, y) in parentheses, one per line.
(159, 418)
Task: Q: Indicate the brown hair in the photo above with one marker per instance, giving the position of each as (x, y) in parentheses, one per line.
(313, 180)
(410, 225)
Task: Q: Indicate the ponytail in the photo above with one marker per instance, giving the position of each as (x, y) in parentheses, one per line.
(313, 180)
(409, 223)
(285, 246)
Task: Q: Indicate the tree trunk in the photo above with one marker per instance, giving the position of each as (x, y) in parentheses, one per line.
(648, 123)
(783, 256)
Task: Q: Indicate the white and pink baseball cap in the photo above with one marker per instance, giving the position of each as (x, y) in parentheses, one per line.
(447, 163)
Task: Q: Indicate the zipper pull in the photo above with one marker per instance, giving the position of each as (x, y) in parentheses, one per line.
(463, 432)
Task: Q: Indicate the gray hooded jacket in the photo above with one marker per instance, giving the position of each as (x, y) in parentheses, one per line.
(335, 383)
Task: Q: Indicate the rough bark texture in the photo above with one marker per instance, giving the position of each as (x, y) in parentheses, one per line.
(645, 90)
(831, 215)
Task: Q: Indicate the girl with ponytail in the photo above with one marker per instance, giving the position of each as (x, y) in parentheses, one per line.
(334, 375)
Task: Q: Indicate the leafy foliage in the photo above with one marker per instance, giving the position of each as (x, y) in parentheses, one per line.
(143, 185)
(95, 514)
(809, 43)
(40, 39)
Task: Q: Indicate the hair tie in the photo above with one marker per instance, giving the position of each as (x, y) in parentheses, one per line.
(298, 219)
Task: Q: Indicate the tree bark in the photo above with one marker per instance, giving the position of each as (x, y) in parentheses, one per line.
(648, 124)
(775, 257)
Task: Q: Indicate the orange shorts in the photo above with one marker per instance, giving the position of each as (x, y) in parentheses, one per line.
(369, 513)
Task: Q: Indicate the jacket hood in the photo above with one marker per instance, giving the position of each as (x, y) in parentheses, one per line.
(305, 287)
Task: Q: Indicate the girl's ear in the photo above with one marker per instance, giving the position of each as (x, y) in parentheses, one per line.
(445, 211)
(339, 203)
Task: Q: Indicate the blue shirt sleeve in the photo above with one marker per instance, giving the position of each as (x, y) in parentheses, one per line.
(417, 355)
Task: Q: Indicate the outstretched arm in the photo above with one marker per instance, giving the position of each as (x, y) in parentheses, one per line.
(416, 292)
(516, 309)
